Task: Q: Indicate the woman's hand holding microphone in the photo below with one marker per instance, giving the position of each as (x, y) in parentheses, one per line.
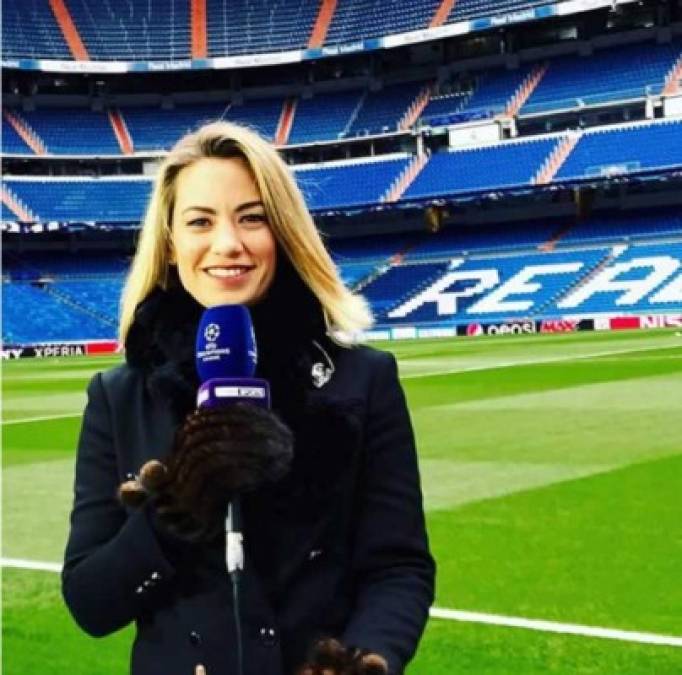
(217, 453)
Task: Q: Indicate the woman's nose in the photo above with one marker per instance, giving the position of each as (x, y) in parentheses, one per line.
(226, 239)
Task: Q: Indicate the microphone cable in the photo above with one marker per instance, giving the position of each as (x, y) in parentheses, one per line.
(234, 560)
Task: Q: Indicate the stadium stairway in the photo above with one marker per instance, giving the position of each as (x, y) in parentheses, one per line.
(673, 81)
(199, 35)
(556, 159)
(406, 178)
(416, 108)
(23, 128)
(286, 121)
(69, 30)
(16, 206)
(526, 89)
(442, 13)
(121, 132)
(324, 17)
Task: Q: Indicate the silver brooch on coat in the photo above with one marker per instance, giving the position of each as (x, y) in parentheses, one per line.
(321, 373)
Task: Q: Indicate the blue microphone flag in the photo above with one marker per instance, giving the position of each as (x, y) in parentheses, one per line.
(226, 344)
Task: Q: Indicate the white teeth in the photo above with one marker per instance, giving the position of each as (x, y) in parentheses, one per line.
(226, 271)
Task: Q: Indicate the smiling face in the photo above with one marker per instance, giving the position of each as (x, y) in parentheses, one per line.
(221, 240)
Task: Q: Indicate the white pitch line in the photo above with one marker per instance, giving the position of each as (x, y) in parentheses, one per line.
(31, 564)
(46, 418)
(460, 615)
(556, 627)
(552, 359)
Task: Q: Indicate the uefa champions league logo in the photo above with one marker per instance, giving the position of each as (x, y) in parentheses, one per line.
(212, 332)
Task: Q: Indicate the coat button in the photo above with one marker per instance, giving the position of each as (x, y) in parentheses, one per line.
(268, 636)
(194, 638)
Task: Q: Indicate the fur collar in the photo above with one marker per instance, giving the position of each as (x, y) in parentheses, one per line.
(290, 335)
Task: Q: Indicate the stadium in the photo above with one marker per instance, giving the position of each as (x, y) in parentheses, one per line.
(501, 180)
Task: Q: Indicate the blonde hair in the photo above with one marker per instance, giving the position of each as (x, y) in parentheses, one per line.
(292, 225)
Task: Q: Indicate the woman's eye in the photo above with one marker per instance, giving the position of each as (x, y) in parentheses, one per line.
(198, 222)
(254, 219)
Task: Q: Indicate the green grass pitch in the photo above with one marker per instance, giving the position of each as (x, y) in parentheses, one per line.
(552, 475)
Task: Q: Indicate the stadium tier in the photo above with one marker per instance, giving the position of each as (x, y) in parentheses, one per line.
(75, 131)
(353, 184)
(349, 184)
(630, 72)
(324, 117)
(108, 201)
(481, 168)
(30, 30)
(580, 281)
(39, 314)
(152, 30)
(491, 94)
(256, 26)
(567, 83)
(608, 152)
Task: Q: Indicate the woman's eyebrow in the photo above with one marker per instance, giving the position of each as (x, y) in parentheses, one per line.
(199, 208)
(248, 205)
(239, 209)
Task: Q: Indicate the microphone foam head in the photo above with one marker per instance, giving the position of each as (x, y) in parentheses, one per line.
(226, 344)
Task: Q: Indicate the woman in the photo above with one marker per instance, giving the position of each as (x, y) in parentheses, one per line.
(338, 578)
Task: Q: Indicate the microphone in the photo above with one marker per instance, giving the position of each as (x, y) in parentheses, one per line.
(226, 358)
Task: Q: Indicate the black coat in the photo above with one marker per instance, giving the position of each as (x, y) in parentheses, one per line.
(338, 548)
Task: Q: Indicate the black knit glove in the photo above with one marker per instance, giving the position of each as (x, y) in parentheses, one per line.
(217, 453)
(330, 657)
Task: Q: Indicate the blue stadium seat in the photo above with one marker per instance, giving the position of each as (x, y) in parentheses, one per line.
(497, 166)
(349, 184)
(30, 30)
(618, 74)
(139, 30)
(78, 200)
(258, 26)
(324, 117)
(625, 150)
(381, 110)
(74, 131)
(51, 318)
(12, 143)
(362, 19)
(490, 96)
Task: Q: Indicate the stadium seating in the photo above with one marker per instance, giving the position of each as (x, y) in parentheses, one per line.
(324, 117)
(360, 19)
(149, 30)
(400, 281)
(112, 201)
(157, 129)
(617, 74)
(258, 26)
(29, 30)
(348, 184)
(490, 95)
(73, 131)
(470, 9)
(51, 318)
(12, 143)
(490, 167)
(625, 150)
(491, 271)
(382, 110)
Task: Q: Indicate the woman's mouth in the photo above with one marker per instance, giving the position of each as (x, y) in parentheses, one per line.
(231, 272)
